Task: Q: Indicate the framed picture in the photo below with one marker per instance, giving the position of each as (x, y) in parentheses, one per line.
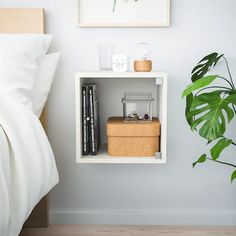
(123, 13)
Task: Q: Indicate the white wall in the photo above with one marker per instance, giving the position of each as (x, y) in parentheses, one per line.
(140, 194)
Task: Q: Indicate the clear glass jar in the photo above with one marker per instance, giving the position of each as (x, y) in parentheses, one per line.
(143, 62)
(143, 51)
(106, 51)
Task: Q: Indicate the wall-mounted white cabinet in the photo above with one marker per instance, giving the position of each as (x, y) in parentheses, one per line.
(111, 89)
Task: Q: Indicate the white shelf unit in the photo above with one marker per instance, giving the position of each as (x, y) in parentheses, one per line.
(111, 88)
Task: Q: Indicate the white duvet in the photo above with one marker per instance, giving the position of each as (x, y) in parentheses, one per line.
(27, 166)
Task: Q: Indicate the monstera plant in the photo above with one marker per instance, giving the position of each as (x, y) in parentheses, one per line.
(114, 4)
(210, 107)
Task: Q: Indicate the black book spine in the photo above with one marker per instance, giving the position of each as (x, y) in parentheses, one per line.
(92, 120)
(85, 125)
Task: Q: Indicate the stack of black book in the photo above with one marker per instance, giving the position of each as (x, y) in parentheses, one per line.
(90, 120)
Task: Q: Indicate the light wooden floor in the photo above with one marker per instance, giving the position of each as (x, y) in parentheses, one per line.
(100, 230)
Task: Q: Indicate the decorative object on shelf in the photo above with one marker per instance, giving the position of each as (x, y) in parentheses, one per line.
(123, 13)
(142, 66)
(143, 62)
(106, 51)
(211, 107)
(133, 139)
(137, 106)
(120, 63)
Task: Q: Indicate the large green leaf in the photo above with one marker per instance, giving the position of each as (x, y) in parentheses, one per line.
(204, 65)
(233, 176)
(208, 110)
(201, 83)
(201, 159)
(219, 147)
(189, 100)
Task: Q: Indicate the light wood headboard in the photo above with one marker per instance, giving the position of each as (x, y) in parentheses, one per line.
(21, 20)
(27, 21)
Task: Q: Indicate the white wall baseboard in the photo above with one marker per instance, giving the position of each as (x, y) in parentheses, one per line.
(162, 217)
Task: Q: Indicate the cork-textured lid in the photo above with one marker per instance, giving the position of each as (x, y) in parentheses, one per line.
(116, 126)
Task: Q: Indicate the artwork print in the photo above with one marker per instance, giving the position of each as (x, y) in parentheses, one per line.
(118, 13)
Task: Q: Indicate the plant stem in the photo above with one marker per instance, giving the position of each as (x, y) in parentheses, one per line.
(230, 75)
(114, 6)
(221, 162)
(234, 108)
(233, 143)
(210, 87)
(231, 85)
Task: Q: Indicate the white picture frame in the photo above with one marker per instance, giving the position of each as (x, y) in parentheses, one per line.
(128, 13)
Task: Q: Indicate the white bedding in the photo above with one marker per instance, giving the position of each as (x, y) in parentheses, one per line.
(27, 166)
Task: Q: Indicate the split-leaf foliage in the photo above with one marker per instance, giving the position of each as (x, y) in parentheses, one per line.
(210, 107)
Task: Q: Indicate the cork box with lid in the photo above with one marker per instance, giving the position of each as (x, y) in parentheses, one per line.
(133, 139)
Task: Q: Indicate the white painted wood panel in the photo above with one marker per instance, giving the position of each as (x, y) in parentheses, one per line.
(115, 85)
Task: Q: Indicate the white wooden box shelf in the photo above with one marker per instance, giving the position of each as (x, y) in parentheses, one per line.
(111, 89)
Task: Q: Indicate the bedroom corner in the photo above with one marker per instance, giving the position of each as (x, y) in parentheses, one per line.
(117, 117)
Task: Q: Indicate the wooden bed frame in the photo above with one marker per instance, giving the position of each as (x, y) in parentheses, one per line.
(28, 21)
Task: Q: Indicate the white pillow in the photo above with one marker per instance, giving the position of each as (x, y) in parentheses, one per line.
(19, 54)
(46, 72)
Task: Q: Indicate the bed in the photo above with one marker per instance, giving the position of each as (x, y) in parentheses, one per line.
(28, 21)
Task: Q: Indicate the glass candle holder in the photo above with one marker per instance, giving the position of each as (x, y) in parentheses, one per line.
(143, 62)
(143, 51)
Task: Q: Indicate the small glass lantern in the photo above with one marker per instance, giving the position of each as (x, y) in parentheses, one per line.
(143, 51)
(143, 62)
(137, 106)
